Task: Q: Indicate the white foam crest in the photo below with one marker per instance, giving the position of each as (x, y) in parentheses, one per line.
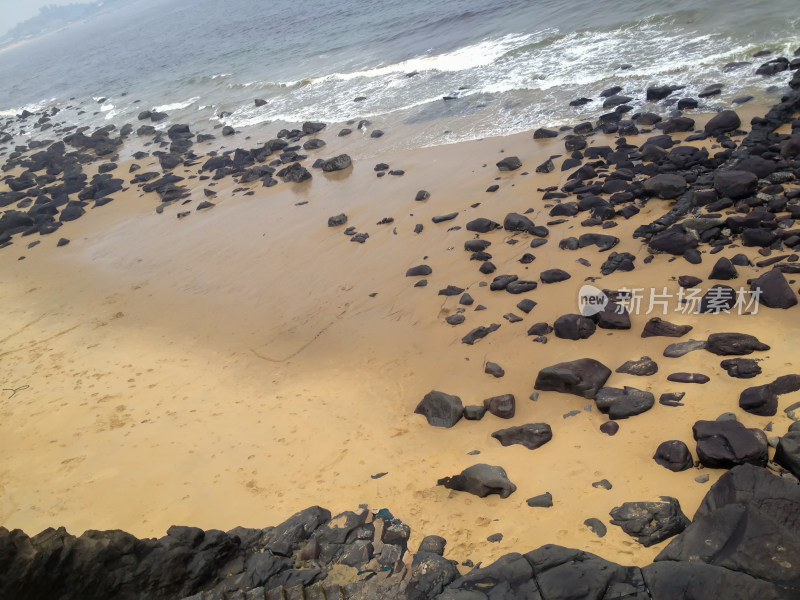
(177, 105)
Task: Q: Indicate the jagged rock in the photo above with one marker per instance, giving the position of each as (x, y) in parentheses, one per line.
(724, 270)
(725, 444)
(532, 435)
(337, 220)
(440, 409)
(734, 344)
(480, 480)
(623, 403)
(659, 327)
(650, 522)
(674, 455)
(582, 377)
(642, 367)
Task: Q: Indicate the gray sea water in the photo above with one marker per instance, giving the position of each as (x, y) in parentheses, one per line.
(508, 65)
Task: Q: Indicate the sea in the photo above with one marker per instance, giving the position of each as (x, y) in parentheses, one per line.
(425, 72)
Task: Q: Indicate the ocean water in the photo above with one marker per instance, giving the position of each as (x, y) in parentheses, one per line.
(506, 66)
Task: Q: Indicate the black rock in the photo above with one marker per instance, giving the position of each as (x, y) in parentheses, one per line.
(787, 453)
(483, 225)
(643, 367)
(665, 185)
(742, 368)
(503, 406)
(735, 184)
(724, 270)
(509, 163)
(659, 327)
(481, 480)
(532, 435)
(337, 163)
(674, 455)
(541, 501)
(723, 122)
(419, 270)
(734, 344)
(554, 276)
(451, 290)
(574, 327)
(440, 409)
(474, 413)
(623, 403)
(725, 444)
(517, 222)
(650, 522)
(773, 290)
(597, 526)
(759, 400)
(582, 377)
(493, 369)
(479, 333)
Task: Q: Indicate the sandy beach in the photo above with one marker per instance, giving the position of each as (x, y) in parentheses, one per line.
(245, 362)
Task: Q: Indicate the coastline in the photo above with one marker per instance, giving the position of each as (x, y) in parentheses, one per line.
(270, 380)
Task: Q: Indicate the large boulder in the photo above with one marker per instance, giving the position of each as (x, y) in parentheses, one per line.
(773, 290)
(481, 480)
(441, 410)
(723, 122)
(735, 184)
(665, 185)
(787, 453)
(725, 444)
(582, 377)
(517, 222)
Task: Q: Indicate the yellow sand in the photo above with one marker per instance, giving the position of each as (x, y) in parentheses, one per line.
(231, 368)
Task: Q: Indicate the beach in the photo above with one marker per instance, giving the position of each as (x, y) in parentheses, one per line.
(218, 314)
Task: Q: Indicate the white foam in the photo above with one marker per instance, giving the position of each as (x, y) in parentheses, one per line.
(177, 105)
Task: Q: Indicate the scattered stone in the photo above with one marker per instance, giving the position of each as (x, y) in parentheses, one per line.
(659, 327)
(574, 327)
(609, 427)
(597, 527)
(509, 163)
(741, 368)
(734, 344)
(479, 333)
(623, 403)
(603, 483)
(688, 378)
(541, 501)
(494, 370)
(337, 220)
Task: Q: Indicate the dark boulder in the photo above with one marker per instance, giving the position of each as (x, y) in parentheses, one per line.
(773, 290)
(650, 522)
(554, 276)
(735, 184)
(337, 163)
(723, 122)
(531, 435)
(623, 403)
(734, 344)
(479, 333)
(441, 410)
(659, 327)
(419, 270)
(787, 453)
(643, 367)
(674, 455)
(724, 270)
(674, 240)
(574, 327)
(483, 225)
(725, 444)
(503, 406)
(517, 222)
(741, 368)
(481, 480)
(665, 185)
(582, 377)
(509, 163)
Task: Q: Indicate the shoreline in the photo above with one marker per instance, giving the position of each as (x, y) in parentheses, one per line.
(274, 351)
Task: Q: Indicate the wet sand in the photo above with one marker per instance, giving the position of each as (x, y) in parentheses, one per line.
(231, 367)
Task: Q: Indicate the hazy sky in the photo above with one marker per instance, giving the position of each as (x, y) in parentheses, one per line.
(14, 11)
